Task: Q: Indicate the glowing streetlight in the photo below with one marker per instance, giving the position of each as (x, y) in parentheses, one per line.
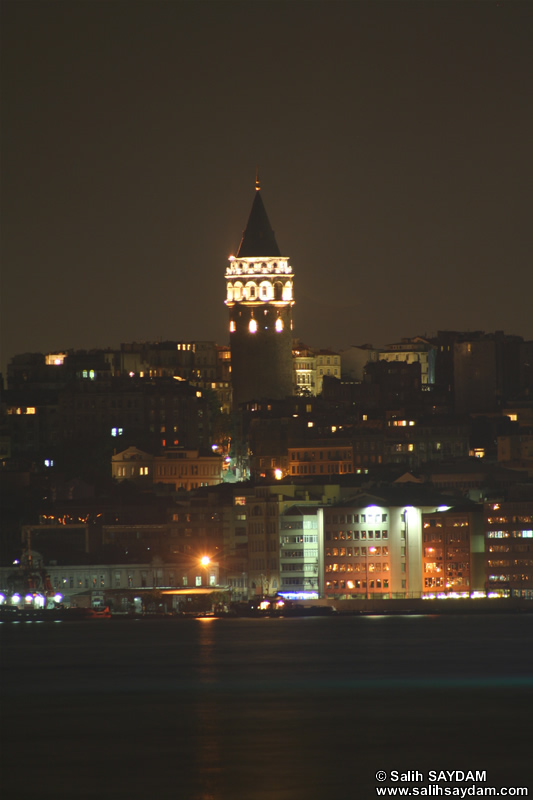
(205, 561)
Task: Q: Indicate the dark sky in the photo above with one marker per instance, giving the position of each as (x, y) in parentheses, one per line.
(394, 142)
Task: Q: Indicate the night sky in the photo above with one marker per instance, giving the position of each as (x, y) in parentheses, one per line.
(394, 142)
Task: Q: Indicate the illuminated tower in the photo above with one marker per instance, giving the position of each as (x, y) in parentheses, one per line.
(259, 296)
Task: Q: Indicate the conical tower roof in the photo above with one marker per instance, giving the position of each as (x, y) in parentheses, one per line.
(258, 239)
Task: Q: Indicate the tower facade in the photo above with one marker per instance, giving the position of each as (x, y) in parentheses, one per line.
(259, 297)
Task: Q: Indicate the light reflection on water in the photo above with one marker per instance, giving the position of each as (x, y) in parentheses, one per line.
(288, 709)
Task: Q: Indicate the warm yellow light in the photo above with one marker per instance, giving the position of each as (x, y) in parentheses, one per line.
(278, 474)
(205, 561)
(252, 326)
(279, 325)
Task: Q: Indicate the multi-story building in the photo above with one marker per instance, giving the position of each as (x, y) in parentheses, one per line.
(373, 546)
(301, 552)
(327, 363)
(181, 469)
(259, 298)
(321, 457)
(354, 360)
(93, 583)
(516, 448)
(270, 509)
(509, 549)
(414, 351)
(453, 555)
(304, 365)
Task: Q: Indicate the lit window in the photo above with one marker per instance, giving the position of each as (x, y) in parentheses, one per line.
(232, 327)
(252, 326)
(279, 324)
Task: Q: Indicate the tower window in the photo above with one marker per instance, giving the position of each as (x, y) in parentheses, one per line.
(252, 326)
(279, 324)
(232, 327)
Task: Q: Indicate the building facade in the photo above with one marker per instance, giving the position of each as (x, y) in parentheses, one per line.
(372, 548)
(301, 552)
(453, 554)
(180, 469)
(509, 549)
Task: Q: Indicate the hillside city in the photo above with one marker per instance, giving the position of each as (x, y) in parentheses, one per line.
(159, 474)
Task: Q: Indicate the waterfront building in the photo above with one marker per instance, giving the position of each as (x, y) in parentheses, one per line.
(453, 551)
(93, 583)
(373, 545)
(301, 552)
(509, 549)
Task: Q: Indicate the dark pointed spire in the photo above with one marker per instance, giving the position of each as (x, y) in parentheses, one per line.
(258, 239)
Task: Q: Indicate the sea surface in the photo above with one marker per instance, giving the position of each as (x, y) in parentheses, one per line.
(263, 709)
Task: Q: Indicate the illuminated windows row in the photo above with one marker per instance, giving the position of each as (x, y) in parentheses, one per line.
(253, 327)
(265, 291)
(355, 551)
(370, 517)
(355, 535)
(356, 585)
(372, 566)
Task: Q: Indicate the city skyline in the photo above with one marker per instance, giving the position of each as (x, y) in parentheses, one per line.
(393, 147)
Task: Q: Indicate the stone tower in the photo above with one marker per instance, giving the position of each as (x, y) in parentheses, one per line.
(259, 297)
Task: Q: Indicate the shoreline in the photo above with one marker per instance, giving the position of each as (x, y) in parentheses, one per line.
(324, 608)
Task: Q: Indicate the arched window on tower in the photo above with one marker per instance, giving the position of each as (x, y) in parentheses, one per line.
(278, 291)
(287, 291)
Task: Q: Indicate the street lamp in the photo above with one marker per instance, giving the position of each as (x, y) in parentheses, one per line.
(205, 561)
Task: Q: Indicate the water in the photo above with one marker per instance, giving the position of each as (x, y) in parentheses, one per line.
(257, 709)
